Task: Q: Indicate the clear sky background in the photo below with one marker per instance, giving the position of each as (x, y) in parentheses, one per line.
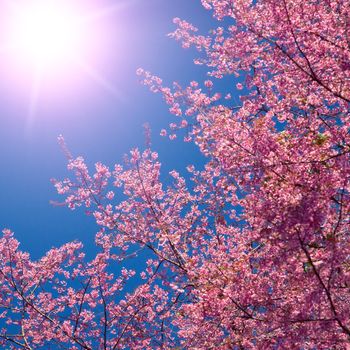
(95, 123)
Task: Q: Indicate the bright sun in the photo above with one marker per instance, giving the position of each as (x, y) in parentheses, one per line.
(50, 40)
(45, 33)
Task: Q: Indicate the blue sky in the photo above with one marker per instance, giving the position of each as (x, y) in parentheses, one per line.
(95, 124)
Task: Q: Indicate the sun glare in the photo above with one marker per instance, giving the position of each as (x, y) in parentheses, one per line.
(53, 43)
(45, 33)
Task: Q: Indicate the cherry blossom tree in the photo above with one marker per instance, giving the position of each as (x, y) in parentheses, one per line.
(252, 251)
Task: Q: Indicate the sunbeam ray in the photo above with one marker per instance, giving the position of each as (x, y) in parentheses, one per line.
(99, 79)
(106, 11)
(34, 97)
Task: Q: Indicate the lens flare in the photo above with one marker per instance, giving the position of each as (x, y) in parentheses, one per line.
(44, 33)
(49, 47)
